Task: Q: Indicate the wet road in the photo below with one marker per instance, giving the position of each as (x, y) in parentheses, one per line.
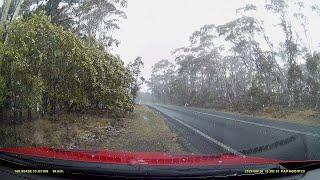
(212, 132)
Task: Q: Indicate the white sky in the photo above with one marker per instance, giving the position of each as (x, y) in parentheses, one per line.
(156, 27)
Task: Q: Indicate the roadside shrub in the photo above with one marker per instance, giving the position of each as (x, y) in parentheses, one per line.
(46, 69)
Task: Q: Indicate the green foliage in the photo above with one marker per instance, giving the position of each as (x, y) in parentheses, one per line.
(313, 76)
(2, 91)
(86, 18)
(257, 98)
(47, 69)
(135, 68)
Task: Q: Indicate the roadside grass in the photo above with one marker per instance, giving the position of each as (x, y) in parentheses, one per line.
(303, 116)
(295, 115)
(142, 130)
(69, 131)
(146, 131)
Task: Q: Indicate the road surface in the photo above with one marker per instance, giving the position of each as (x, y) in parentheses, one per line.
(213, 132)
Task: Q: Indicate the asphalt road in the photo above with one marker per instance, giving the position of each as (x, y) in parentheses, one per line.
(213, 132)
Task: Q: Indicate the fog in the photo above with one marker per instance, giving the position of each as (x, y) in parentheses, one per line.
(156, 27)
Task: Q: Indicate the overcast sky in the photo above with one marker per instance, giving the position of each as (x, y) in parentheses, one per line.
(156, 27)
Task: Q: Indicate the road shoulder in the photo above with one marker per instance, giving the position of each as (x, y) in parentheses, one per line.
(146, 131)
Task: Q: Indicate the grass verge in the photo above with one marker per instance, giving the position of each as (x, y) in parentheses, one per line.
(146, 131)
(302, 116)
(70, 131)
(142, 130)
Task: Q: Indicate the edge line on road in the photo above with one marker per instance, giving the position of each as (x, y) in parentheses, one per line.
(233, 151)
(258, 124)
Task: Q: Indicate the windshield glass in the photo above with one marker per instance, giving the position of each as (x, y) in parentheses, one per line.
(183, 77)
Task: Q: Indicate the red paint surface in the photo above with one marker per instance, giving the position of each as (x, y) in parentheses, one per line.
(132, 158)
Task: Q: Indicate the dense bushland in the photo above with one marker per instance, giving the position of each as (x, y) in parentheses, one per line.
(238, 65)
(46, 69)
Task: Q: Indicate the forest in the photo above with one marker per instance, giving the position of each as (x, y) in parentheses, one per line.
(238, 65)
(55, 57)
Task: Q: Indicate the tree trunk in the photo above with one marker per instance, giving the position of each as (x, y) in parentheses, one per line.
(2, 114)
(53, 109)
(291, 102)
(29, 114)
(5, 12)
(17, 10)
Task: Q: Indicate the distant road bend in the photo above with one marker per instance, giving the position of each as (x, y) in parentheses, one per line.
(213, 132)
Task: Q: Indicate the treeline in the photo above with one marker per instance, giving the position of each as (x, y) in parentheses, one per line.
(54, 57)
(45, 69)
(238, 65)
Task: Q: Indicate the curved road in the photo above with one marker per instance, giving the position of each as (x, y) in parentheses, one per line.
(213, 132)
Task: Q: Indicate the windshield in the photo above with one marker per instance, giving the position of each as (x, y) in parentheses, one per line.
(182, 77)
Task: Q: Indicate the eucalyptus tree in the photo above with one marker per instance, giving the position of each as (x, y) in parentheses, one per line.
(161, 81)
(99, 18)
(255, 65)
(316, 8)
(313, 79)
(96, 18)
(198, 64)
(58, 10)
(252, 69)
(290, 50)
(135, 69)
(10, 10)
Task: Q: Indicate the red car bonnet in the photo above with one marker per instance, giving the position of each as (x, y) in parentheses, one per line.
(132, 158)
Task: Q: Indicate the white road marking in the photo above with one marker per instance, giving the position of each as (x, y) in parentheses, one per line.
(262, 125)
(233, 151)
